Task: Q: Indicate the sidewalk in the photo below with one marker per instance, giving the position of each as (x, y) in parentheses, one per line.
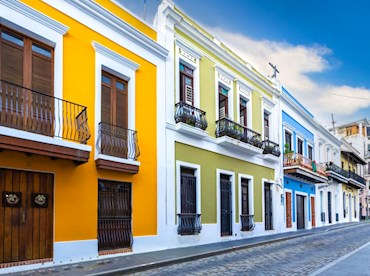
(139, 262)
(354, 263)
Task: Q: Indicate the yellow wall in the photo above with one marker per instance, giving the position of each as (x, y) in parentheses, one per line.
(76, 186)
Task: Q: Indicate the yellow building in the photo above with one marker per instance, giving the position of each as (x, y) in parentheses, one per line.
(79, 83)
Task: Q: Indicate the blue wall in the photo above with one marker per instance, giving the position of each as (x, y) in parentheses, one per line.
(296, 185)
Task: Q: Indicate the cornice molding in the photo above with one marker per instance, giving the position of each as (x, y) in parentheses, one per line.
(184, 26)
(33, 14)
(183, 45)
(113, 22)
(114, 56)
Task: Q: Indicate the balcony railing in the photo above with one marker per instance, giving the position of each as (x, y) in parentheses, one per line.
(296, 159)
(270, 147)
(189, 224)
(227, 127)
(117, 141)
(247, 222)
(356, 177)
(190, 115)
(334, 168)
(25, 109)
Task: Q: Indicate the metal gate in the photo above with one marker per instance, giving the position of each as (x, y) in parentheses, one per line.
(114, 215)
(26, 216)
(226, 211)
(268, 207)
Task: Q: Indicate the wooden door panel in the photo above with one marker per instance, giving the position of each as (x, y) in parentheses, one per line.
(313, 218)
(28, 228)
(288, 197)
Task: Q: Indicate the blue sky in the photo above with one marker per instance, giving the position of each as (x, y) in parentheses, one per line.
(321, 47)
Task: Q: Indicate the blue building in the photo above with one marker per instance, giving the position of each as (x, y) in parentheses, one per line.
(300, 171)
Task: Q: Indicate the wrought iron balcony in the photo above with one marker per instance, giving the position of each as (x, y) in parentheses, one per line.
(270, 147)
(25, 109)
(334, 168)
(296, 159)
(247, 222)
(117, 141)
(190, 115)
(227, 127)
(189, 224)
(356, 177)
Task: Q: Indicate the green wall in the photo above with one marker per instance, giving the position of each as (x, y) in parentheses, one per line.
(209, 162)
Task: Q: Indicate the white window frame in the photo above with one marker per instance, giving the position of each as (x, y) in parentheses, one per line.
(197, 174)
(250, 193)
(313, 150)
(222, 78)
(122, 67)
(245, 92)
(267, 107)
(274, 210)
(306, 219)
(292, 146)
(218, 191)
(303, 142)
(190, 58)
(270, 124)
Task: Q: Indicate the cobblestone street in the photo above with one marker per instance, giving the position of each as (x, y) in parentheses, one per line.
(299, 256)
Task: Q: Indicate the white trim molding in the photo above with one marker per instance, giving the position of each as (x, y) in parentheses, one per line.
(34, 15)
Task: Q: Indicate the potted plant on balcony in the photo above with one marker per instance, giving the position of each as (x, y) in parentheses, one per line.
(255, 141)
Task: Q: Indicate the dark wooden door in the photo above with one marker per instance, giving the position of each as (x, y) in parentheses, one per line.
(329, 207)
(226, 211)
(26, 216)
(300, 212)
(313, 217)
(288, 210)
(268, 207)
(114, 215)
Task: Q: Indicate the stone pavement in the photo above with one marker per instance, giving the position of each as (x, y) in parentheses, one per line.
(143, 261)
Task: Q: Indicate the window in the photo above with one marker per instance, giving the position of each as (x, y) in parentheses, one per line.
(26, 62)
(113, 100)
(245, 196)
(300, 146)
(223, 102)
(243, 112)
(186, 85)
(309, 150)
(266, 125)
(288, 141)
(189, 220)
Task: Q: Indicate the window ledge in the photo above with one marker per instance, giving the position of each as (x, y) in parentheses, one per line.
(190, 130)
(107, 162)
(238, 145)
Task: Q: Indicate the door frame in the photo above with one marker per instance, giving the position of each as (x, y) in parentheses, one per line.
(234, 228)
(306, 211)
(271, 182)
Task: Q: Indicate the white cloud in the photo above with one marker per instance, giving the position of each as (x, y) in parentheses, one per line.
(295, 62)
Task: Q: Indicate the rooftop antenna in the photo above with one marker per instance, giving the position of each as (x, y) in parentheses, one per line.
(275, 70)
(333, 122)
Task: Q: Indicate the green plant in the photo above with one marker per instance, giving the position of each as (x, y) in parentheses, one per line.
(287, 148)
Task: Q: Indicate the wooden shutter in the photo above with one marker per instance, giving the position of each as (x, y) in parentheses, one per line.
(105, 104)
(11, 60)
(42, 74)
(189, 94)
(121, 103)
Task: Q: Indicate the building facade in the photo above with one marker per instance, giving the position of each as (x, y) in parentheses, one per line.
(79, 94)
(222, 151)
(301, 172)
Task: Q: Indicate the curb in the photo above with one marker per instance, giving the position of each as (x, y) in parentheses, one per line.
(147, 266)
